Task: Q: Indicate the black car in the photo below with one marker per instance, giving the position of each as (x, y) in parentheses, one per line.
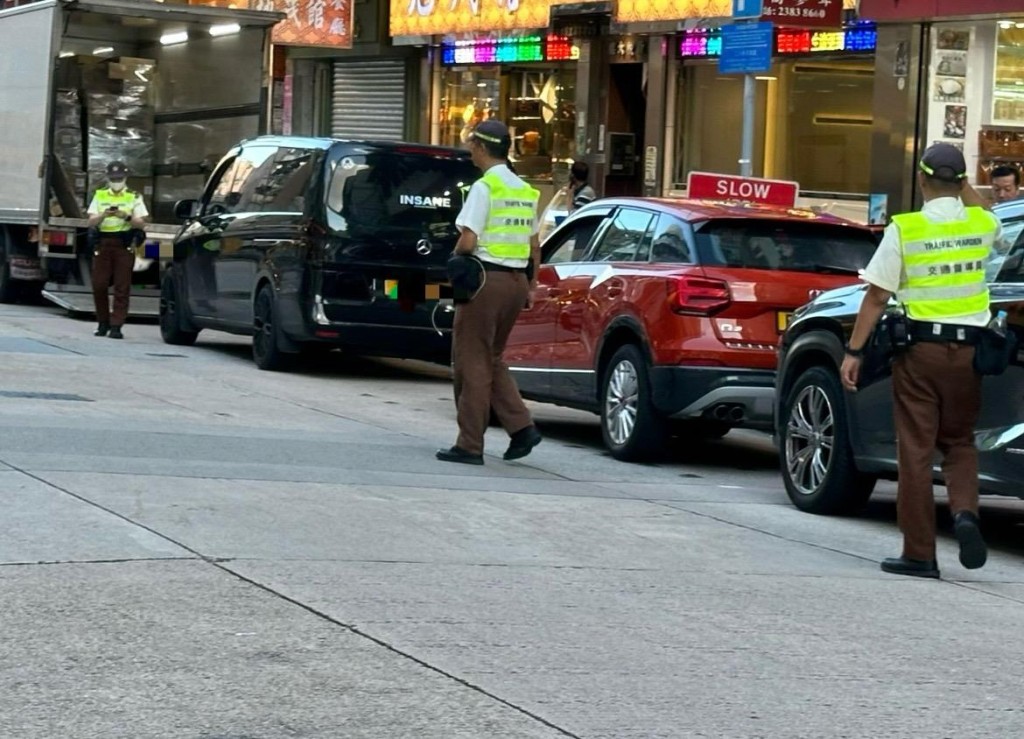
(307, 243)
(835, 445)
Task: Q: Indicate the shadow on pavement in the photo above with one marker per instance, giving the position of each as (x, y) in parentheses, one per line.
(1002, 519)
(738, 450)
(326, 363)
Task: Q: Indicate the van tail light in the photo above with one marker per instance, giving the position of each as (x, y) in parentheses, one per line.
(701, 296)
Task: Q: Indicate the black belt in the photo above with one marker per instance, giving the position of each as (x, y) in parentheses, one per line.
(492, 267)
(944, 333)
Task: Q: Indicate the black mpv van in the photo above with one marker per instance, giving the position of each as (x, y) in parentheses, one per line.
(306, 243)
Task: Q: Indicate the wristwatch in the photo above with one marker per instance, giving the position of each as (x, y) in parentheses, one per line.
(855, 353)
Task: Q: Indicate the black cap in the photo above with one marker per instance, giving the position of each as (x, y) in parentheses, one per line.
(117, 170)
(944, 162)
(493, 132)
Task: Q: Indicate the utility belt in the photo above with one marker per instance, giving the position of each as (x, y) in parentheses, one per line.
(945, 333)
(493, 267)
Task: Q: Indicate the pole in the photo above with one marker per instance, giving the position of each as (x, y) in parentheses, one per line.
(747, 150)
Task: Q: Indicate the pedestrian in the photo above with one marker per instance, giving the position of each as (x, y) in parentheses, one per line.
(582, 192)
(1005, 181)
(498, 226)
(117, 217)
(934, 262)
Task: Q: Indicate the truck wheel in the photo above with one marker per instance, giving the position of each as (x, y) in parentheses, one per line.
(632, 428)
(171, 317)
(266, 351)
(8, 285)
(818, 468)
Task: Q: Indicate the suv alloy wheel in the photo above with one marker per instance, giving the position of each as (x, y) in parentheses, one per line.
(631, 426)
(817, 461)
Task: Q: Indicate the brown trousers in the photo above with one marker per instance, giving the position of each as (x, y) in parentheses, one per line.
(938, 399)
(112, 262)
(482, 380)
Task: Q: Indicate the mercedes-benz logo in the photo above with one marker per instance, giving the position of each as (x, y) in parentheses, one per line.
(424, 247)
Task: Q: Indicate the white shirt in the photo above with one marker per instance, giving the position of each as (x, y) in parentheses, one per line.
(886, 268)
(477, 210)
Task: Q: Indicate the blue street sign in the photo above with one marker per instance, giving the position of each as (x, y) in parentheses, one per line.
(747, 8)
(746, 48)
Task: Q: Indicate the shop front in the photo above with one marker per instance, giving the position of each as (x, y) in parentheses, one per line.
(947, 76)
(336, 72)
(528, 82)
(497, 60)
(813, 109)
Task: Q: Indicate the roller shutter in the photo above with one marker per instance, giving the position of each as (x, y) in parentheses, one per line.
(369, 100)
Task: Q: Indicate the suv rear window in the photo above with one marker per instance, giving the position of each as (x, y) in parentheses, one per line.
(388, 191)
(784, 246)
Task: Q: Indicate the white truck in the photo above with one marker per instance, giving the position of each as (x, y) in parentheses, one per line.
(165, 88)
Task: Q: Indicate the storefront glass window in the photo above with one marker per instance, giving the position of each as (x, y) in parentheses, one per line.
(812, 123)
(1008, 90)
(536, 102)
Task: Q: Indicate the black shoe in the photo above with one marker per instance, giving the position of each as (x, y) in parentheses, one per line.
(102, 329)
(912, 567)
(523, 442)
(973, 552)
(115, 333)
(459, 455)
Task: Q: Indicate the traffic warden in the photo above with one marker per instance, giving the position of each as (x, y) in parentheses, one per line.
(499, 226)
(117, 217)
(934, 262)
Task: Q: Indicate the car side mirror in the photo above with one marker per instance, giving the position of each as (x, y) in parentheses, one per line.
(186, 210)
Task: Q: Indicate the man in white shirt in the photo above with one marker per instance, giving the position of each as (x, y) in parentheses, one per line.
(934, 262)
(499, 227)
(117, 216)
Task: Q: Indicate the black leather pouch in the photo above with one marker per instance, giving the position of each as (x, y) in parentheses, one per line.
(994, 352)
(465, 273)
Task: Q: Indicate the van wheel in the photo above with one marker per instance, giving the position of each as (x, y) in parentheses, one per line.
(171, 318)
(818, 468)
(632, 429)
(266, 352)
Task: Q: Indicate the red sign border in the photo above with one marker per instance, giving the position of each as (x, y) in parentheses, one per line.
(789, 184)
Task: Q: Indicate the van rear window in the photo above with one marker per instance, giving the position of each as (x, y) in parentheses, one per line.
(394, 191)
(785, 246)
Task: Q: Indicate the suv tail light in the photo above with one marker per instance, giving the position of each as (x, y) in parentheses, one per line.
(701, 296)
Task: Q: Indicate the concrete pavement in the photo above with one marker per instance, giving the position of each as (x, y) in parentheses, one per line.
(194, 548)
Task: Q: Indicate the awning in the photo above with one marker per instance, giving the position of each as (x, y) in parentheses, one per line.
(907, 11)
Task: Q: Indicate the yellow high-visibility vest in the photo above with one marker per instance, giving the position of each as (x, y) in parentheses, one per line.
(945, 264)
(107, 198)
(510, 219)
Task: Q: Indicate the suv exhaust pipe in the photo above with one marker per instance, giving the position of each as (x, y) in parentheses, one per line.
(732, 413)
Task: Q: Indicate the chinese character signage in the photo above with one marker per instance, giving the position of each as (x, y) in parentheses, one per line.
(311, 22)
(859, 39)
(441, 17)
(634, 11)
(826, 13)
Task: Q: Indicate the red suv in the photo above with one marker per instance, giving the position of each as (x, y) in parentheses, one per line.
(666, 315)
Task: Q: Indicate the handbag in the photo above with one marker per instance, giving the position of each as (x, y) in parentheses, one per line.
(994, 351)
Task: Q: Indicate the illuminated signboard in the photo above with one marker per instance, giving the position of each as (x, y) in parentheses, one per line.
(507, 50)
(638, 11)
(862, 38)
(440, 17)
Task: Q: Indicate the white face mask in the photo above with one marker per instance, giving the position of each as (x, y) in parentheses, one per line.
(117, 186)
